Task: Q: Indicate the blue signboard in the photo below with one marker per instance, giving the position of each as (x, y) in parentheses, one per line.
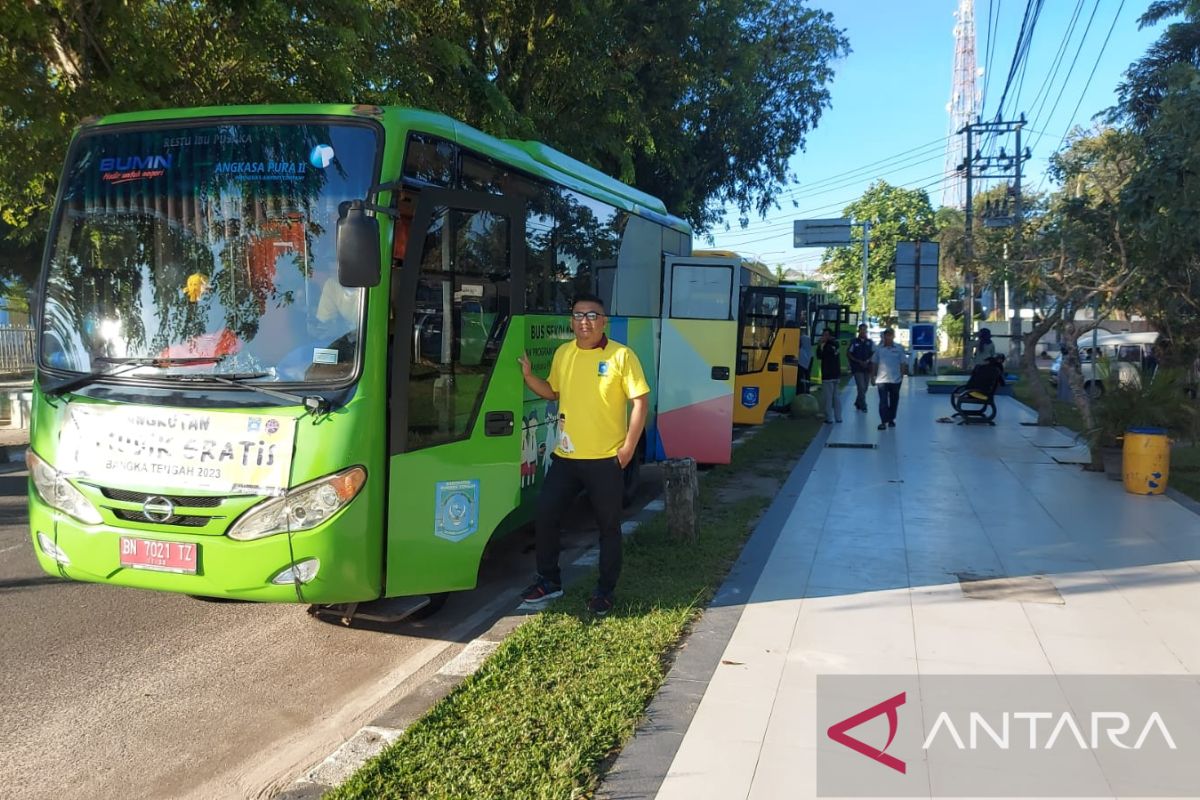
(749, 396)
(922, 336)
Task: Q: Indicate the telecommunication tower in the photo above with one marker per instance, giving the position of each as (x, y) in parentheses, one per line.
(964, 102)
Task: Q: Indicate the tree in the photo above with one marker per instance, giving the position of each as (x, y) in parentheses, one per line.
(896, 215)
(1165, 185)
(1167, 63)
(1081, 254)
(701, 104)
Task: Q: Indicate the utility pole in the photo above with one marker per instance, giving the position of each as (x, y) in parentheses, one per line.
(1015, 325)
(977, 165)
(969, 246)
(866, 226)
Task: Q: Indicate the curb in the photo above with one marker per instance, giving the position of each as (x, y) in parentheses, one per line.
(643, 763)
(12, 457)
(387, 727)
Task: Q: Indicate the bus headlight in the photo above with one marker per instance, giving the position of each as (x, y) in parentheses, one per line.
(302, 508)
(302, 572)
(51, 549)
(58, 492)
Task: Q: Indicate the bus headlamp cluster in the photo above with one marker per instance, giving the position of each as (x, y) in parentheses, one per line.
(58, 492)
(302, 508)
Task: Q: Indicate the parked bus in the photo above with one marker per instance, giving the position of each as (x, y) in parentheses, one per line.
(277, 347)
(767, 349)
(801, 301)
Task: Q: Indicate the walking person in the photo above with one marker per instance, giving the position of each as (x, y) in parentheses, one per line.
(890, 365)
(831, 376)
(594, 380)
(861, 350)
(804, 373)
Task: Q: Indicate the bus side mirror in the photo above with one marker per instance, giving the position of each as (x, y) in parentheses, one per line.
(358, 253)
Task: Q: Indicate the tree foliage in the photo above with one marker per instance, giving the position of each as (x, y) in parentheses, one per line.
(1169, 62)
(896, 215)
(701, 104)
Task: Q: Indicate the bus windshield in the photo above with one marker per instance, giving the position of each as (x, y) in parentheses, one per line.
(207, 248)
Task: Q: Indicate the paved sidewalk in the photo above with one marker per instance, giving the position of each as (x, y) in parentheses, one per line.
(864, 578)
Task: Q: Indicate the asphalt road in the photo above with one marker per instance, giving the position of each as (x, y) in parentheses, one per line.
(111, 692)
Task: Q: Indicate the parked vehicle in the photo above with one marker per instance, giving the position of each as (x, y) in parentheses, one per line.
(1116, 356)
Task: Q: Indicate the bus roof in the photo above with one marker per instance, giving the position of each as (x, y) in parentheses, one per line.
(534, 157)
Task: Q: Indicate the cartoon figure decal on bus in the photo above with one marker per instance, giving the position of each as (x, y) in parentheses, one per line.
(551, 440)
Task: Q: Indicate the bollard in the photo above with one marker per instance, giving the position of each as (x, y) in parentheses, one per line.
(683, 493)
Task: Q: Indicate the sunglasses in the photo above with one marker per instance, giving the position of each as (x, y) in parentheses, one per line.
(590, 316)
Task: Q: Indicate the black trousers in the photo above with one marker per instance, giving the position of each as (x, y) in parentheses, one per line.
(889, 398)
(604, 482)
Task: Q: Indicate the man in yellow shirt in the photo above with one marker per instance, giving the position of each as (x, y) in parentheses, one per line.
(594, 380)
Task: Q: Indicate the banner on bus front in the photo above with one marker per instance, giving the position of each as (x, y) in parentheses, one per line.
(164, 449)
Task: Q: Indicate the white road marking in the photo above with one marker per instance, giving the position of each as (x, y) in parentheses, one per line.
(470, 659)
(264, 777)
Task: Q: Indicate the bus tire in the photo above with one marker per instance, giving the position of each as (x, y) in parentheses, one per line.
(632, 478)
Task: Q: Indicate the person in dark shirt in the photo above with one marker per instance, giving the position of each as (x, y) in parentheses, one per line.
(831, 374)
(861, 350)
(987, 377)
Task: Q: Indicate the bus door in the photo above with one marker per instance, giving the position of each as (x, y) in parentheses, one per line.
(793, 315)
(759, 381)
(696, 358)
(456, 388)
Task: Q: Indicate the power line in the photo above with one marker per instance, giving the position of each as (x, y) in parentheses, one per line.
(990, 46)
(937, 143)
(862, 172)
(1033, 9)
(862, 175)
(1071, 69)
(1043, 93)
(778, 228)
(1088, 84)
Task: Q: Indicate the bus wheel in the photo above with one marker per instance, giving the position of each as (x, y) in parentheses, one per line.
(632, 475)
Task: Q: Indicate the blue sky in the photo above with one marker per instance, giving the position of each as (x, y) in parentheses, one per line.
(890, 95)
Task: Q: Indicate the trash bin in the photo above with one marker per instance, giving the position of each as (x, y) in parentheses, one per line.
(1146, 460)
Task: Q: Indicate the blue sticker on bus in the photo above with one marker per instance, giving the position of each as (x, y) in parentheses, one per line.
(457, 513)
(749, 396)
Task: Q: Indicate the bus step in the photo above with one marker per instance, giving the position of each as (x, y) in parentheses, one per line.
(387, 609)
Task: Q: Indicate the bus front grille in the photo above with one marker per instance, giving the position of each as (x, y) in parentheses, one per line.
(182, 520)
(191, 501)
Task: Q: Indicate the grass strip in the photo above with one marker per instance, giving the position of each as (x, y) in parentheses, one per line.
(565, 691)
(1185, 459)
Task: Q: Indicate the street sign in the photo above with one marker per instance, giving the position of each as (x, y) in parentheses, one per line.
(917, 276)
(907, 275)
(821, 232)
(922, 336)
(909, 298)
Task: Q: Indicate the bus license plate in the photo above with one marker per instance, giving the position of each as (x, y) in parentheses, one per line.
(162, 556)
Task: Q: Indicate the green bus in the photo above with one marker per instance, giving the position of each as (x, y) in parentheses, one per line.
(277, 347)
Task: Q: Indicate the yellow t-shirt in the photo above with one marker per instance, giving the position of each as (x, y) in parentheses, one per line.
(594, 389)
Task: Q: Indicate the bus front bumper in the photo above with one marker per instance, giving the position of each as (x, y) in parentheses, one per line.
(223, 567)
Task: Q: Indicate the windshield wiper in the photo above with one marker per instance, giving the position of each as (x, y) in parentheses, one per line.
(314, 404)
(119, 366)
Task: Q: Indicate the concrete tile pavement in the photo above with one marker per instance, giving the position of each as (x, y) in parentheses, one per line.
(863, 577)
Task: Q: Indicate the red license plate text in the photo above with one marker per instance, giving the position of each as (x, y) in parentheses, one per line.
(162, 556)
